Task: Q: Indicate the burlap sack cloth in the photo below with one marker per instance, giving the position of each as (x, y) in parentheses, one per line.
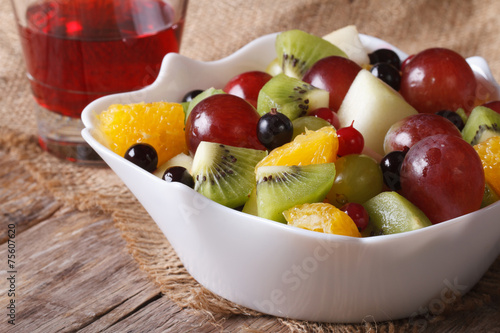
(215, 29)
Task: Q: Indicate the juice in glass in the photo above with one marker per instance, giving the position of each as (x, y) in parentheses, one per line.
(79, 50)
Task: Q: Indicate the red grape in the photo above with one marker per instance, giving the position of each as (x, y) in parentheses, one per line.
(328, 115)
(247, 85)
(494, 105)
(335, 75)
(443, 176)
(408, 131)
(406, 61)
(438, 79)
(225, 119)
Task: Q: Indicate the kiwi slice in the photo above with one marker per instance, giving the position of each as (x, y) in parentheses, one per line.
(290, 96)
(282, 187)
(490, 196)
(250, 206)
(482, 124)
(206, 93)
(297, 51)
(391, 213)
(225, 174)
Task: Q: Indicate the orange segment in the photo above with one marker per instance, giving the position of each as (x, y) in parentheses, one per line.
(159, 124)
(489, 152)
(322, 217)
(312, 147)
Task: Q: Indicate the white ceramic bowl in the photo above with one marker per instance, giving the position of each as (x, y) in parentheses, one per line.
(290, 272)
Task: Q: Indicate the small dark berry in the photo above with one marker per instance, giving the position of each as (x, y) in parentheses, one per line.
(190, 95)
(453, 117)
(178, 174)
(143, 155)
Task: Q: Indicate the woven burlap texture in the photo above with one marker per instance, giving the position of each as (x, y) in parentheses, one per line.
(215, 29)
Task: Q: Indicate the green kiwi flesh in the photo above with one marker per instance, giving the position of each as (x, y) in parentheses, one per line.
(391, 213)
(250, 206)
(282, 187)
(206, 93)
(482, 124)
(490, 196)
(290, 96)
(225, 174)
(297, 51)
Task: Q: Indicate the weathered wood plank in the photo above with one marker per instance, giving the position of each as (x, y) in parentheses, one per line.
(164, 316)
(73, 269)
(22, 201)
(148, 294)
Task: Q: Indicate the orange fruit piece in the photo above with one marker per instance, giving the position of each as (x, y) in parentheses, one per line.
(312, 147)
(159, 124)
(489, 153)
(321, 217)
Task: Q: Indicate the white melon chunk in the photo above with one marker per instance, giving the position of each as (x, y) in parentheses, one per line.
(374, 107)
(347, 39)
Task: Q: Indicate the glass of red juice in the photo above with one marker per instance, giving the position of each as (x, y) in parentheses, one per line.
(79, 50)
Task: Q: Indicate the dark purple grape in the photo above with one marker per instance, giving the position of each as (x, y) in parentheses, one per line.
(191, 94)
(143, 155)
(386, 56)
(178, 174)
(274, 129)
(387, 73)
(453, 117)
(391, 167)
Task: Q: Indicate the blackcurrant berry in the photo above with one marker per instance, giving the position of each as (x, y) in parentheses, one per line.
(386, 56)
(274, 129)
(453, 117)
(178, 174)
(143, 155)
(391, 167)
(387, 73)
(191, 94)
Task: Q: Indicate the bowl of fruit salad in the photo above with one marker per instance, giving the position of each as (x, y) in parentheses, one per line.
(302, 196)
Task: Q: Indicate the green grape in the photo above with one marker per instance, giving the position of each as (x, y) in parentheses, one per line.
(358, 179)
(311, 123)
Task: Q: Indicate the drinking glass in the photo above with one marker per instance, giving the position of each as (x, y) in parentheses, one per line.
(79, 50)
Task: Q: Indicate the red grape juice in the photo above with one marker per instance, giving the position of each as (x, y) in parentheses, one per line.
(79, 50)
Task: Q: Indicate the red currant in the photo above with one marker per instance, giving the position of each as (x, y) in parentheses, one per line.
(351, 141)
(357, 213)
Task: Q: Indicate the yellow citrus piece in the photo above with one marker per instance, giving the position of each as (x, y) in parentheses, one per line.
(159, 124)
(312, 147)
(321, 217)
(489, 152)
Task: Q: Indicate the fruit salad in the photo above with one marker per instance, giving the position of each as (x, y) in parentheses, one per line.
(329, 138)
